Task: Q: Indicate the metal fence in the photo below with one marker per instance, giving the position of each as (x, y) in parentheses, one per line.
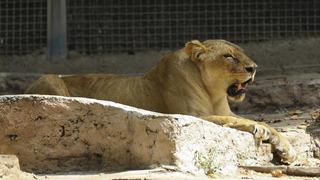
(22, 26)
(99, 26)
(109, 26)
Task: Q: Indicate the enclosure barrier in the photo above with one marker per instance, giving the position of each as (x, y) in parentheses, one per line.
(113, 26)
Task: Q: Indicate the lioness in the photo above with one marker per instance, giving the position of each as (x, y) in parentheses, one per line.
(196, 80)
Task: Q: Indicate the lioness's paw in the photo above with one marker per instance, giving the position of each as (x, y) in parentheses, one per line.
(260, 132)
(289, 156)
(286, 151)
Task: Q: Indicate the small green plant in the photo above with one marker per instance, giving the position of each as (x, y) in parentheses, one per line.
(207, 161)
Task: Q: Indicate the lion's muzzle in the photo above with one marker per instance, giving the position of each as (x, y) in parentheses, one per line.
(237, 89)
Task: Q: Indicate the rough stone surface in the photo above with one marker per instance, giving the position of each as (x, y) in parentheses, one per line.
(9, 168)
(314, 130)
(52, 134)
(59, 134)
(302, 130)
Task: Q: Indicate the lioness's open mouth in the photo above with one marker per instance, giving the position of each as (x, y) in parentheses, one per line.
(238, 89)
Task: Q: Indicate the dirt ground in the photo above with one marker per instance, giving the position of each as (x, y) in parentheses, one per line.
(163, 174)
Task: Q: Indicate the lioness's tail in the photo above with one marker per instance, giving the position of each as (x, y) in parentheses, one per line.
(50, 85)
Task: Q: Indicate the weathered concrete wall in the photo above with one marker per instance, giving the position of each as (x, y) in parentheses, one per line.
(276, 57)
(286, 56)
(58, 134)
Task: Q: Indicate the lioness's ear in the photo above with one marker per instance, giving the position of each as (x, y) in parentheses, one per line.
(194, 47)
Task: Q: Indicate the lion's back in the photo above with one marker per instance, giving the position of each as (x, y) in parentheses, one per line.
(135, 91)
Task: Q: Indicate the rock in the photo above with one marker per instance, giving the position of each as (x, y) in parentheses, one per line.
(60, 134)
(9, 168)
(52, 134)
(314, 130)
(302, 143)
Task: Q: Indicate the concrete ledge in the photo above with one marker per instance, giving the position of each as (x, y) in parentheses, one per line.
(59, 134)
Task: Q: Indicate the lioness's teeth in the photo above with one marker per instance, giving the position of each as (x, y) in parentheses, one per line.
(239, 86)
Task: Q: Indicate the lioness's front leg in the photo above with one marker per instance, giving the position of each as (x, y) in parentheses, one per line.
(260, 131)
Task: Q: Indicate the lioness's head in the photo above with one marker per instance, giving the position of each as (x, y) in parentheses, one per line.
(224, 67)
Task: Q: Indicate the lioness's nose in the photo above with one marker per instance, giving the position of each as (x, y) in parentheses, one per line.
(251, 69)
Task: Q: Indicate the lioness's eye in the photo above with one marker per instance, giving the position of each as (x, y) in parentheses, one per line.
(198, 54)
(231, 58)
(227, 56)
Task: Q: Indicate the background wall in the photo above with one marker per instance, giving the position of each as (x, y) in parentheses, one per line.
(273, 57)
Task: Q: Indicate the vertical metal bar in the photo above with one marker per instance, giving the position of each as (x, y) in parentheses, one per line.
(57, 29)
